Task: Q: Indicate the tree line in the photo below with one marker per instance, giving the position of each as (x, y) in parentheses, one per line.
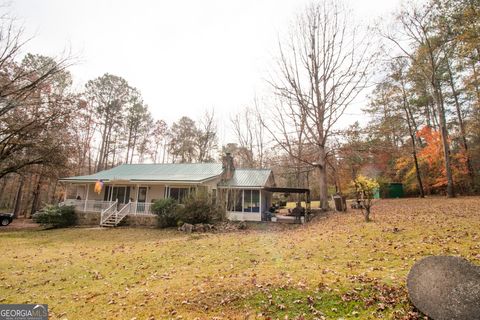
(48, 130)
(425, 127)
(423, 65)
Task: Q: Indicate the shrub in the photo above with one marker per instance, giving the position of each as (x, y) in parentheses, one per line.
(167, 212)
(365, 188)
(200, 208)
(56, 217)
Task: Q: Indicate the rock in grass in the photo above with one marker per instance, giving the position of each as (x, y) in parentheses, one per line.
(445, 288)
(242, 225)
(186, 227)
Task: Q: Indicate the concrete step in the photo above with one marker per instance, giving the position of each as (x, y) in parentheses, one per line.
(108, 225)
(111, 222)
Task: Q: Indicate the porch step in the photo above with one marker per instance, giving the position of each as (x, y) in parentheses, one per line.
(108, 225)
(111, 222)
(115, 216)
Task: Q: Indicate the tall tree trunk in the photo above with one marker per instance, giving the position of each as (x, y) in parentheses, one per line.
(89, 160)
(133, 147)
(476, 82)
(106, 152)
(18, 198)
(412, 132)
(114, 152)
(415, 159)
(2, 186)
(461, 124)
(164, 151)
(54, 191)
(444, 134)
(323, 179)
(129, 140)
(36, 195)
(101, 155)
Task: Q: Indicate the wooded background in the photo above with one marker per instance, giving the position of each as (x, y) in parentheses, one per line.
(424, 110)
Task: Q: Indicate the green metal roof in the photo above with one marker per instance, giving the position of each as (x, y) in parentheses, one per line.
(188, 172)
(253, 178)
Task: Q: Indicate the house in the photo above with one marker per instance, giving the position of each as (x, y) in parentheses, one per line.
(130, 189)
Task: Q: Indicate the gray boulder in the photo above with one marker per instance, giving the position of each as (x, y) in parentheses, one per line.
(445, 288)
(186, 227)
(199, 227)
(242, 225)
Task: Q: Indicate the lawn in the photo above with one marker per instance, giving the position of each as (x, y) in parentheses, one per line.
(335, 267)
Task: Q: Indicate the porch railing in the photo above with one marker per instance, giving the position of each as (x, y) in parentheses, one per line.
(134, 208)
(96, 206)
(141, 208)
(87, 205)
(111, 210)
(123, 212)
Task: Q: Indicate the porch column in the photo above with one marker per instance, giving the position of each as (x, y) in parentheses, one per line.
(111, 191)
(66, 191)
(86, 198)
(243, 199)
(261, 209)
(136, 198)
(227, 191)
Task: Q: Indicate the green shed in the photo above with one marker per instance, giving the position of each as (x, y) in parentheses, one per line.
(376, 194)
(395, 190)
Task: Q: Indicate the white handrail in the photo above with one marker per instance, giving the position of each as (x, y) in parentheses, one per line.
(112, 208)
(142, 208)
(123, 212)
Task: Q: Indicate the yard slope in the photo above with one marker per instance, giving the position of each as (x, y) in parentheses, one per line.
(338, 266)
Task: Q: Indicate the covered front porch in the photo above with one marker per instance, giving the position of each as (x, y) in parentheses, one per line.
(98, 206)
(141, 194)
(117, 200)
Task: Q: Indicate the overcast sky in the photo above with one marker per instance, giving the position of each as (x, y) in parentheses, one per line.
(184, 56)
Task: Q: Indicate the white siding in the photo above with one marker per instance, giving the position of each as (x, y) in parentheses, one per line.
(155, 192)
(81, 191)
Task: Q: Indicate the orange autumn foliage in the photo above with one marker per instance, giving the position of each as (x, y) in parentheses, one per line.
(432, 163)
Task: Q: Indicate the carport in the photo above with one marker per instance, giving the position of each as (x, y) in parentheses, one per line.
(306, 192)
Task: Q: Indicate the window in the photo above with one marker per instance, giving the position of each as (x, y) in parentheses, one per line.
(179, 194)
(235, 200)
(243, 201)
(251, 202)
(122, 194)
(142, 194)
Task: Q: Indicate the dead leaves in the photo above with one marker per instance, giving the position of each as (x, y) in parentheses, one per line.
(163, 274)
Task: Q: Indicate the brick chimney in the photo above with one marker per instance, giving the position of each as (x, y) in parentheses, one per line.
(228, 166)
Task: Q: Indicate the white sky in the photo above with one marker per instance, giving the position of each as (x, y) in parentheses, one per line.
(184, 56)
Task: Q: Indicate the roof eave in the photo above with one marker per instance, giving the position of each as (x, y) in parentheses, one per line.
(142, 180)
(241, 187)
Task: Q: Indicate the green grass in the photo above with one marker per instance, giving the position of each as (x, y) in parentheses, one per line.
(340, 266)
(361, 302)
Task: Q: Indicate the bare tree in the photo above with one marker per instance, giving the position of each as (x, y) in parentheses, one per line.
(250, 134)
(322, 69)
(159, 133)
(206, 139)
